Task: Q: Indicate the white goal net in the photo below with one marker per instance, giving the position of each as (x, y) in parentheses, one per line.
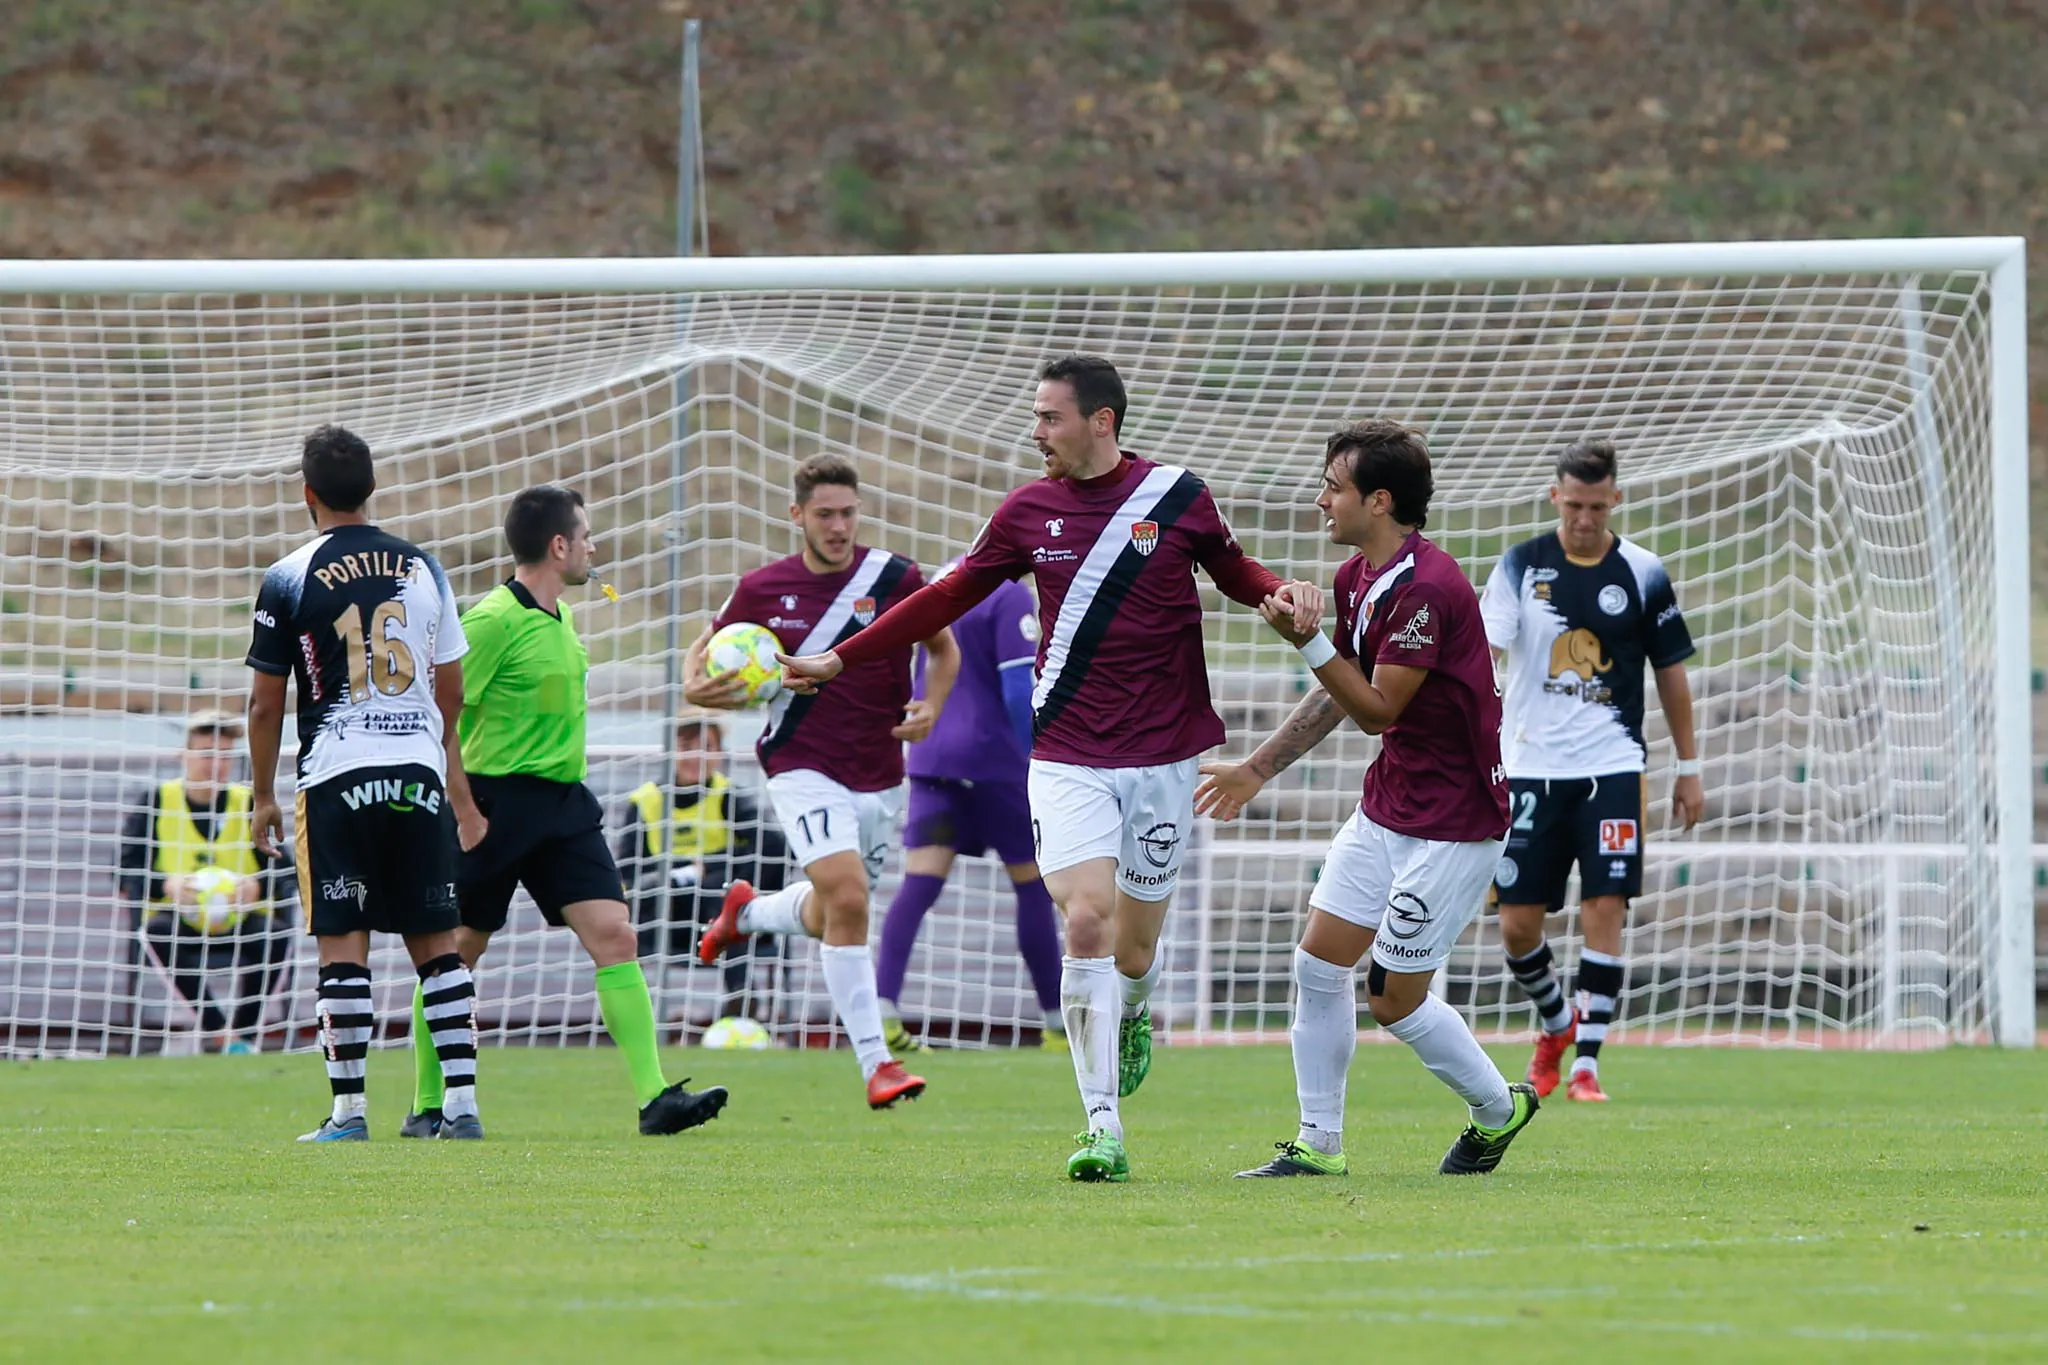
(1824, 442)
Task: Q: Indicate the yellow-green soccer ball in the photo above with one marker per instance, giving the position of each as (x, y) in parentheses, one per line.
(742, 1035)
(748, 650)
(215, 910)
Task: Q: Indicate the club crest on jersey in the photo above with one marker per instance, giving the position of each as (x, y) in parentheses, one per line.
(1145, 536)
(789, 603)
(1055, 526)
(1617, 836)
(1613, 599)
(864, 609)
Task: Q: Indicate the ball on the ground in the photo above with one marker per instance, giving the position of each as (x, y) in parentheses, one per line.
(214, 908)
(748, 650)
(743, 1035)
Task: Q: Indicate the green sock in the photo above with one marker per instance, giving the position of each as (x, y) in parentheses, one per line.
(426, 1066)
(628, 1010)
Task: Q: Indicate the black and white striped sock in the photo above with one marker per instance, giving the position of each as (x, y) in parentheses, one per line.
(346, 1022)
(1537, 973)
(1601, 977)
(448, 993)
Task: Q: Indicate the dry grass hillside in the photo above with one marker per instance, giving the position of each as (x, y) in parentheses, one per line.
(401, 127)
(545, 127)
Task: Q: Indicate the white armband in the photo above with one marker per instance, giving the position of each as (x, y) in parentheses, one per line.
(1688, 767)
(1318, 651)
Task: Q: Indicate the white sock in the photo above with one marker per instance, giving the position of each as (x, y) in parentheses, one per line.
(348, 1107)
(1446, 1046)
(850, 977)
(778, 912)
(1054, 1023)
(1324, 1036)
(1088, 1001)
(1138, 989)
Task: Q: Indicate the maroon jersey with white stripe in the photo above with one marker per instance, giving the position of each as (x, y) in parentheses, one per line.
(1439, 774)
(843, 730)
(1122, 680)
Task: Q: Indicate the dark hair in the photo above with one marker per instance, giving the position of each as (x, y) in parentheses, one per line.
(1387, 455)
(820, 470)
(537, 515)
(1096, 385)
(1589, 460)
(336, 466)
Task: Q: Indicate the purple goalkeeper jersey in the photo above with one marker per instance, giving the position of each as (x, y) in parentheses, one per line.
(974, 740)
(843, 730)
(1439, 774)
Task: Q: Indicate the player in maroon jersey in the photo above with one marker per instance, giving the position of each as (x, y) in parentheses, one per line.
(1121, 708)
(835, 760)
(1406, 873)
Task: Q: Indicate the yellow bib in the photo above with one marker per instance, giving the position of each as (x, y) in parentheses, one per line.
(699, 829)
(182, 850)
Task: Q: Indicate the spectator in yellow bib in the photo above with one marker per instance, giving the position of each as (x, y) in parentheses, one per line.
(680, 847)
(206, 897)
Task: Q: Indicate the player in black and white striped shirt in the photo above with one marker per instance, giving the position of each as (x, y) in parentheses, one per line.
(366, 624)
(1577, 613)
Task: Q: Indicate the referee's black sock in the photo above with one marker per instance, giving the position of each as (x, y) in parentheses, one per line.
(1601, 977)
(346, 1022)
(1537, 974)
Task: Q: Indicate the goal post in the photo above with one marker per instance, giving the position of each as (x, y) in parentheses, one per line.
(1826, 441)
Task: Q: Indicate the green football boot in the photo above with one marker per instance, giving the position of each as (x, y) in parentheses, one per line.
(1298, 1159)
(1478, 1150)
(1101, 1157)
(1133, 1052)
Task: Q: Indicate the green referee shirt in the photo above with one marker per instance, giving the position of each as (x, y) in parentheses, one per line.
(523, 689)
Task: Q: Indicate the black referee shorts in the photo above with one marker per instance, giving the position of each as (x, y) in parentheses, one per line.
(1596, 822)
(376, 851)
(547, 836)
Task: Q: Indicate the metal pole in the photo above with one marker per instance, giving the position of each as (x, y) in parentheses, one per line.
(688, 166)
(2013, 732)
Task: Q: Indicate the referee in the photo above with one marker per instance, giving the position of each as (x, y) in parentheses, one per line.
(522, 729)
(1577, 614)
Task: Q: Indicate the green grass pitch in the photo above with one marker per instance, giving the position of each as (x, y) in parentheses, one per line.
(1728, 1206)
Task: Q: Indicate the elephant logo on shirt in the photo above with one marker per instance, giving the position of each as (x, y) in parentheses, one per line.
(1578, 651)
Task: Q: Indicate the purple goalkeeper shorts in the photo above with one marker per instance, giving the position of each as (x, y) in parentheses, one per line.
(970, 818)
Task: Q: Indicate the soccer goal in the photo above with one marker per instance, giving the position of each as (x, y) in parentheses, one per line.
(1826, 442)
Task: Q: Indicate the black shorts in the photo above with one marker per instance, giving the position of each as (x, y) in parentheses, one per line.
(376, 851)
(1596, 822)
(546, 835)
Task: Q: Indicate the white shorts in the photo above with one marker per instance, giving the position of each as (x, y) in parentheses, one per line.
(820, 817)
(1139, 816)
(1417, 895)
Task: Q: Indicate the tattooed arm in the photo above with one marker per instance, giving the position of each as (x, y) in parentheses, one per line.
(1227, 788)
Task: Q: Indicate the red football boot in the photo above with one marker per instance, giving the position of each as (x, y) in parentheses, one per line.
(725, 930)
(891, 1083)
(1550, 1048)
(1585, 1085)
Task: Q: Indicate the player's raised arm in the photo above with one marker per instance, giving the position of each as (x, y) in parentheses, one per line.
(1240, 577)
(919, 617)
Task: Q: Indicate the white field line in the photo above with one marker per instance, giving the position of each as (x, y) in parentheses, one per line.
(975, 1285)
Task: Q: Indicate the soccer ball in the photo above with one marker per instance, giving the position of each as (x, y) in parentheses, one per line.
(741, 1035)
(748, 650)
(213, 910)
